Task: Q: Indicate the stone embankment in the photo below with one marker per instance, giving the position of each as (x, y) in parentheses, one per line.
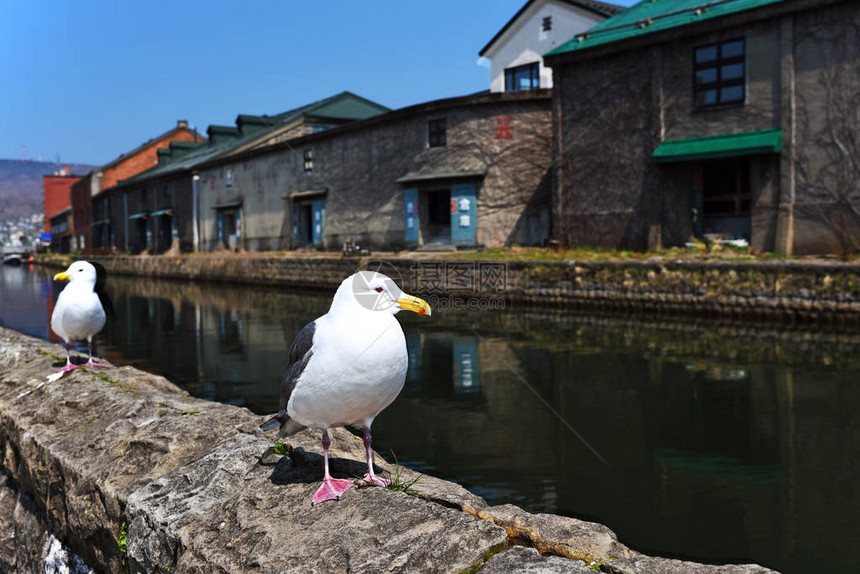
(797, 291)
(133, 474)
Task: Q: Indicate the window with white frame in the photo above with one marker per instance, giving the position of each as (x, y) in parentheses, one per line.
(526, 77)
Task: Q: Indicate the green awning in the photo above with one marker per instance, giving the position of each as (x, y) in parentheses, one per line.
(162, 212)
(713, 147)
(139, 215)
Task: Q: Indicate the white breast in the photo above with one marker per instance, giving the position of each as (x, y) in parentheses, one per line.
(357, 369)
(78, 313)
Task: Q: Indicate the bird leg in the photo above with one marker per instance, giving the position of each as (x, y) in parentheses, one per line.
(90, 362)
(331, 488)
(371, 476)
(69, 365)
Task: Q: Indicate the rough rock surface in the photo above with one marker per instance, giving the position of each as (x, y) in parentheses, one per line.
(524, 560)
(557, 535)
(649, 564)
(195, 488)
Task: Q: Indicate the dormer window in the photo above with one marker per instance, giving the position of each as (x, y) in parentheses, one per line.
(525, 77)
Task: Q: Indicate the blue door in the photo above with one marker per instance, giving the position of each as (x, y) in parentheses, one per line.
(296, 212)
(463, 214)
(318, 214)
(410, 204)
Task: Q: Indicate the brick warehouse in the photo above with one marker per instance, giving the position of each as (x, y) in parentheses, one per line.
(466, 171)
(96, 232)
(57, 193)
(163, 206)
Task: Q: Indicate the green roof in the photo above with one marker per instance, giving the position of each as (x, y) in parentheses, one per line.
(650, 16)
(344, 105)
(713, 147)
(348, 108)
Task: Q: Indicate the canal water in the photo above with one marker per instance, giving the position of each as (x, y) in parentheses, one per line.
(712, 441)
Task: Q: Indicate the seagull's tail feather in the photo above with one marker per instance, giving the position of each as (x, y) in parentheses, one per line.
(283, 422)
(270, 424)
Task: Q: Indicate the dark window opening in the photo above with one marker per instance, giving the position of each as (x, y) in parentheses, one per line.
(306, 225)
(719, 74)
(435, 216)
(546, 25)
(228, 228)
(726, 198)
(525, 77)
(165, 233)
(437, 133)
(308, 157)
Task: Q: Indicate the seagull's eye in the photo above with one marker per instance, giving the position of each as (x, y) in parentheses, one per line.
(379, 289)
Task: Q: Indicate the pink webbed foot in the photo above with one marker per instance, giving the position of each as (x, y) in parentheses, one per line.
(92, 363)
(331, 489)
(376, 479)
(67, 368)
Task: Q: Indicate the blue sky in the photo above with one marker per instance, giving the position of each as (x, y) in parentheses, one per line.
(87, 80)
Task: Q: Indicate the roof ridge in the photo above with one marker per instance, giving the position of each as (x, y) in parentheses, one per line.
(601, 8)
(649, 16)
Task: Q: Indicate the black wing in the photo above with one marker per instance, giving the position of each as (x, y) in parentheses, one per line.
(299, 355)
(104, 298)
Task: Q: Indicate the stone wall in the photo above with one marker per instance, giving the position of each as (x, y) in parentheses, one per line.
(132, 474)
(357, 168)
(827, 293)
(612, 109)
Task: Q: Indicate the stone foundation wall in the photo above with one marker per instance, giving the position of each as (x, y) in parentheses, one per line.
(826, 293)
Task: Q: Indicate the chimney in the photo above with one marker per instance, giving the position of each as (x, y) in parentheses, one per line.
(181, 123)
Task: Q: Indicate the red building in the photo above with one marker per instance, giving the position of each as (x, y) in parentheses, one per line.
(57, 191)
(125, 166)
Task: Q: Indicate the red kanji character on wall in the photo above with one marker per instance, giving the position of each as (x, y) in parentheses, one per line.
(504, 129)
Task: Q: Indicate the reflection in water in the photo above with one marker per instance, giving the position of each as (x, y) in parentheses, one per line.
(724, 442)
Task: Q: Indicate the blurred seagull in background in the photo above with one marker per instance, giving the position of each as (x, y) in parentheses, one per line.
(80, 310)
(346, 366)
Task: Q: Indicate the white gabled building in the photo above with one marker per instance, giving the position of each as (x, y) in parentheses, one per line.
(515, 53)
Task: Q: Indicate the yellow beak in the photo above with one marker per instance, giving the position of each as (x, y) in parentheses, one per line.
(61, 276)
(414, 304)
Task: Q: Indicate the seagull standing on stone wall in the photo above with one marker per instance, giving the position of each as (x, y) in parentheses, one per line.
(346, 366)
(80, 313)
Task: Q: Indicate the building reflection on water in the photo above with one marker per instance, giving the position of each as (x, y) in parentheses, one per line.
(723, 442)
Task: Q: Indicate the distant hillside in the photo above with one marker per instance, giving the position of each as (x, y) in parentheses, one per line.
(21, 190)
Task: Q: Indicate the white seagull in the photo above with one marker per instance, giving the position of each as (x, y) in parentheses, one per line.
(346, 366)
(79, 313)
